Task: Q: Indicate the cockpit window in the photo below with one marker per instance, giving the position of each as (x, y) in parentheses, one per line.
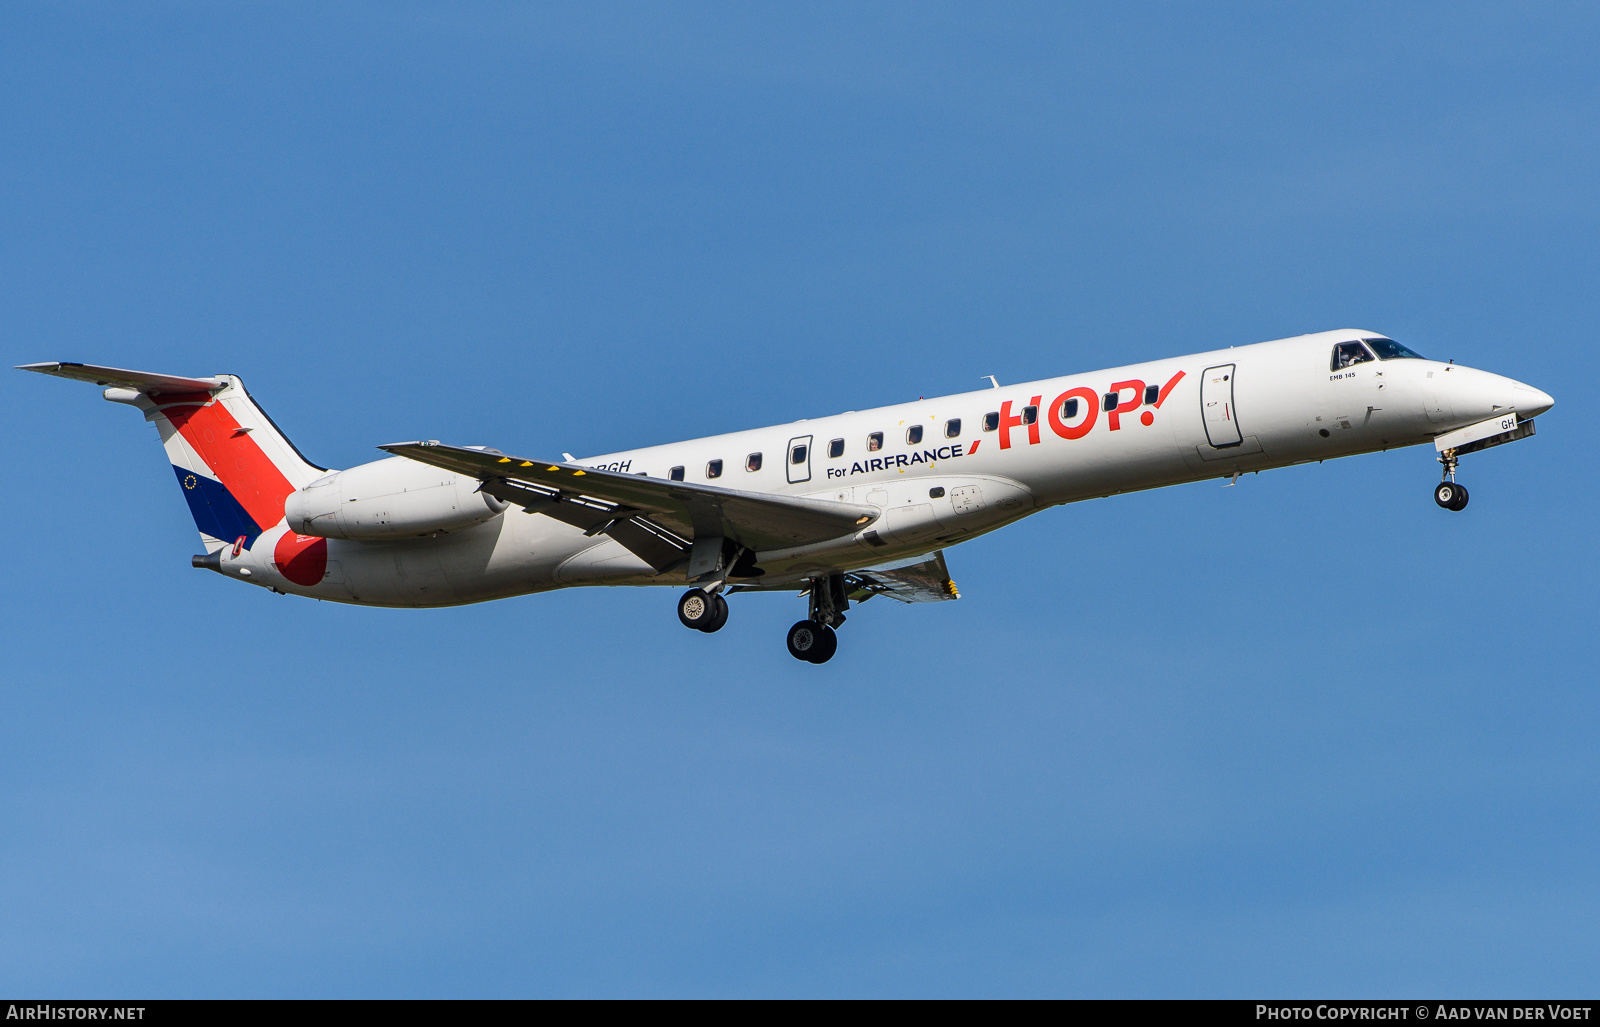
(1388, 349)
(1349, 354)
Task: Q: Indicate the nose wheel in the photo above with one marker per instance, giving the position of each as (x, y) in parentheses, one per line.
(1448, 493)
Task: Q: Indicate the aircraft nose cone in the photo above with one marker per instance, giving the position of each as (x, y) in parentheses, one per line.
(1529, 401)
(1478, 395)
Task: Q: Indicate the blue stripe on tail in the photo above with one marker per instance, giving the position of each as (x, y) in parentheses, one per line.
(216, 512)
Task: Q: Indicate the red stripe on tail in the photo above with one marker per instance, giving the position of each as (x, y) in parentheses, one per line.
(234, 458)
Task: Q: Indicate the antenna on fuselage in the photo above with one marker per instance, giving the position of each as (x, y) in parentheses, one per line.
(992, 383)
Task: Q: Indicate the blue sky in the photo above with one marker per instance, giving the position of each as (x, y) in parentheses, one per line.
(1308, 735)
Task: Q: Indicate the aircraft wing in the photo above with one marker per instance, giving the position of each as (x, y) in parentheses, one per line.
(140, 381)
(611, 503)
(921, 579)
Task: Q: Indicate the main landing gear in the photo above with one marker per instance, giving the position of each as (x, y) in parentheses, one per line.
(812, 642)
(813, 639)
(702, 610)
(1448, 493)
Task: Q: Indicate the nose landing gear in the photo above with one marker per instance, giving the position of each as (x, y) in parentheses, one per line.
(813, 640)
(1448, 493)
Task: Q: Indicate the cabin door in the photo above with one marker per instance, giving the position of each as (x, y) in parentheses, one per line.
(797, 460)
(1216, 405)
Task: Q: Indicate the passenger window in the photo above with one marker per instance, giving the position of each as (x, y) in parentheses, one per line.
(936, 493)
(991, 421)
(874, 442)
(1110, 399)
(1349, 354)
(752, 462)
(1030, 415)
(676, 474)
(952, 428)
(836, 449)
(1069, 408)
(1151, 394)
(797, 455)
(714, 469)
(914, 434)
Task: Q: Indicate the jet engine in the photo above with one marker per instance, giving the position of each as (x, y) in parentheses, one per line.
(389, 499)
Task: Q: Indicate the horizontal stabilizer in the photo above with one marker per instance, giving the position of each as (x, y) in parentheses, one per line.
(139, 381)
(755, 520)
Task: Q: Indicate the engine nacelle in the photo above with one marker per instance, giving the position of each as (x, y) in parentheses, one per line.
(389, 499)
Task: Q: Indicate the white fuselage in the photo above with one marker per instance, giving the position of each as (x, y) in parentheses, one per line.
(1267, 405)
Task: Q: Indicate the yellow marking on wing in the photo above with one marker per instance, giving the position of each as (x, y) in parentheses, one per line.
(579, 472)
(552, 468)
(526, 463)
(505, 460)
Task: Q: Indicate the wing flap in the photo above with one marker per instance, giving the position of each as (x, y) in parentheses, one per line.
(921, 579)
(661, 552)
(687, 510)
(660, 548)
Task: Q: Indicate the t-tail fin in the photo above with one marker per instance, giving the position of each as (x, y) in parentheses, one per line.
(234, 465)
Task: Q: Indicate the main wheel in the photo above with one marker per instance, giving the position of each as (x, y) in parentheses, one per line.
(719, 616)
(1447, 494)
(812, 642)
(827, 645)
(697, 608)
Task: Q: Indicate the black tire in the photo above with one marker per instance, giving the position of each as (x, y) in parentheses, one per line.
(1460, 502)
(697, 608)
(719, 617)
(1445, 494)
(827, 645)
(805, 640)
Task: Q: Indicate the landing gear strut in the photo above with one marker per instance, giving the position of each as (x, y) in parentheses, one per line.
(813, 640)
(1448, 493)
(702, 610)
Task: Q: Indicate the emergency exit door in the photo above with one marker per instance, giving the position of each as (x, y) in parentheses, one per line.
(1216, 405)
(798, 459)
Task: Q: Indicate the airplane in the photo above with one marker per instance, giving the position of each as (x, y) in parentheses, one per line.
(843, 508)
